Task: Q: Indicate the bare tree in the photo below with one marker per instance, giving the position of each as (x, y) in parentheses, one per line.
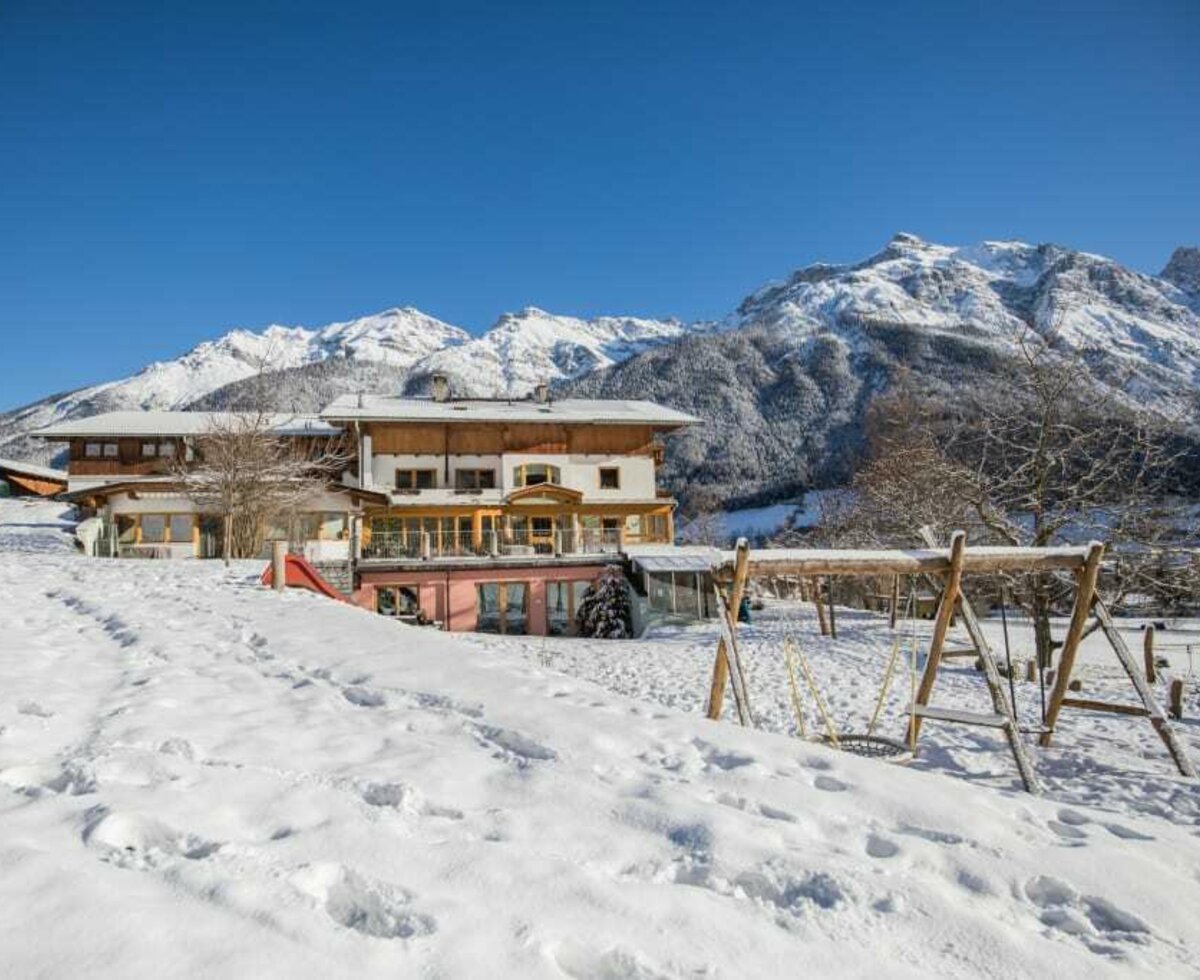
(255, 475)
(1041, 455)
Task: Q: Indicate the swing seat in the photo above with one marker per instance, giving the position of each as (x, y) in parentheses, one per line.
(960, 717)
(868, 746)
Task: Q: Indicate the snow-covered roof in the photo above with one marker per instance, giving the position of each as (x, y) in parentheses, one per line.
(576, 410)
(684, 562)
(32, 469)
(178, 424)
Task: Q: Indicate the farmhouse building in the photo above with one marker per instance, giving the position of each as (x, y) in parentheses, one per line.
(475, 514)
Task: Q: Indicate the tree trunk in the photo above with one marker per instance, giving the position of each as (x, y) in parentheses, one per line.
(1043, 638)
(227, 539)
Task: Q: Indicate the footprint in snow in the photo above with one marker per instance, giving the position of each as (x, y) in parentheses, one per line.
(1068, 832)
(33, 709)
(373, 908)
(132, 841)
(829, 784)
(364, 697)
(1126, 833)
(514, 744)
(1102, 926)
(881, 847)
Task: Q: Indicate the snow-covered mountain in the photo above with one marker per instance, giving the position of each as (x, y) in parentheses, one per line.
(396, 337)
(523, 349)
(1137, 328)
(785, 382)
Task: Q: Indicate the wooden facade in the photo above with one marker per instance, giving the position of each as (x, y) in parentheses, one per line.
(484, 439)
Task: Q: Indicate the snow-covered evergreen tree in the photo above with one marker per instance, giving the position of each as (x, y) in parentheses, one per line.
(605, 611)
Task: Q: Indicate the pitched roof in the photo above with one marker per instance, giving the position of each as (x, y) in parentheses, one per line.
(576, 410)
(33, 469)
(177, 424)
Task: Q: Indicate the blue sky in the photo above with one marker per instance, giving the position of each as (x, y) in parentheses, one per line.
(169, 171)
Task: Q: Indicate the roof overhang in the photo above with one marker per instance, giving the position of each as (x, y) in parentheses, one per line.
(545, 493)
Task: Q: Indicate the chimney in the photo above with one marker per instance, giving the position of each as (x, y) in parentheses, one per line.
(441, 387)
(542, 392)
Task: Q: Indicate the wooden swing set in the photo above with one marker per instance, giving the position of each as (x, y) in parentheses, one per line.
(944, 569)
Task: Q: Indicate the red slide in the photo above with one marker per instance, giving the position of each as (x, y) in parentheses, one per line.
(299, 574)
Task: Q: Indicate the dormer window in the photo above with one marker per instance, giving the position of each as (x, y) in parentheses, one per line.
(532, 474)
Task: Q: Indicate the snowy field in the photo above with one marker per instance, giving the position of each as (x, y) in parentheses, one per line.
(200, 777)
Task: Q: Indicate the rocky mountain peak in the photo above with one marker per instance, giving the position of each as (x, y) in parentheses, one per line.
(1183, 270)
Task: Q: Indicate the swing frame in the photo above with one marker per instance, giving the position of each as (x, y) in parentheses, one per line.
(948, 566)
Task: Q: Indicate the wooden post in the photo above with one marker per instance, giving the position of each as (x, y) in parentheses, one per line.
(279, 565)
(1148, 653)
(893, 612)
(716, 693)
(814, 586)
(832, 615)
(1144, 693)
(1079, 617)
(958, 544)
(1175, 707)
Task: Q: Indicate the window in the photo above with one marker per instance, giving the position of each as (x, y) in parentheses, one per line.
(93, 449)
(474, 479)
(154, 529)
(610, 478)
(407, 479)
(181, 527)
(398, 600)
(532, 474)
(502, 607)
(126, 529)
(149, 449)
(562, 603)
(166, 449)
(110, 450)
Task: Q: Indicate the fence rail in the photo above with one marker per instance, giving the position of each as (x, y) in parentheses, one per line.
(466, 544)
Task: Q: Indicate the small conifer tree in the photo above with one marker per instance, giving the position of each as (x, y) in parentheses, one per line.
(604, 610)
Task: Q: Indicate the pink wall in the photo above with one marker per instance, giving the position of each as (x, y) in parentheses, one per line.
(460, 617)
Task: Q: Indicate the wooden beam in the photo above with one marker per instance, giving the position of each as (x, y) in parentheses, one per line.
(941, 624)
(810, 562)
(1086, 704)
(1160, 723)
(1079, 616)
(1148, 653)
(716, 692)
(1000, 701)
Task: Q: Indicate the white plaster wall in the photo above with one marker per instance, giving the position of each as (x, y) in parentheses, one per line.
(582, 472)
(579, 472)
(383, 467)
(327, 550)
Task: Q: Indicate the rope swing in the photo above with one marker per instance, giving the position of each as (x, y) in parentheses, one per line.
(859, 743)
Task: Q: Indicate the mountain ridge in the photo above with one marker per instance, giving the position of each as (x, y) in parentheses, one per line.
(783, 379)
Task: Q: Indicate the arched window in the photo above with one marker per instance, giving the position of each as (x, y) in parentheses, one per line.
(531, 474)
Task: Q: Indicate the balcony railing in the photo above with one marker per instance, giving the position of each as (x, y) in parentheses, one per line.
(466, 544)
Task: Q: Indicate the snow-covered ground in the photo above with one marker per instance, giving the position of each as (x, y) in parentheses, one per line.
(201, 777)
